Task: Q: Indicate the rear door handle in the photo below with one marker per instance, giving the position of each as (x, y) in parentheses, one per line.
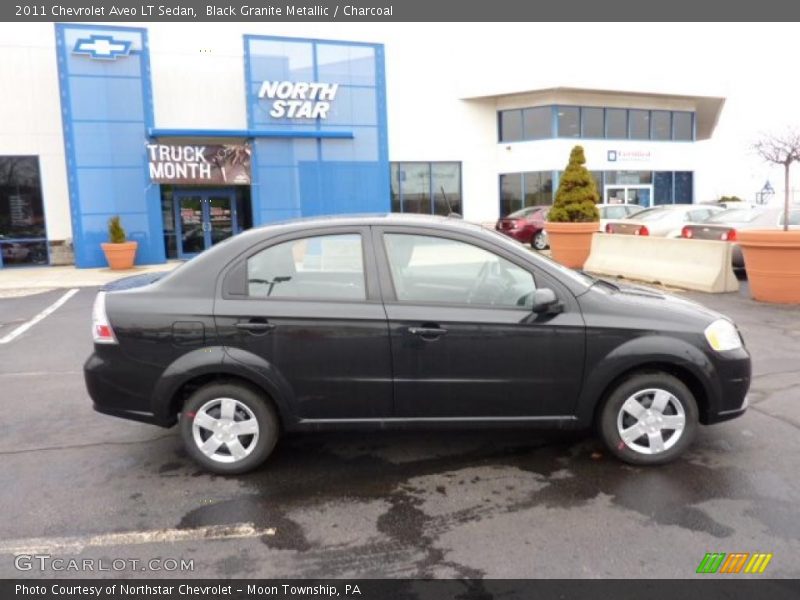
(255, 327)
(427, 332)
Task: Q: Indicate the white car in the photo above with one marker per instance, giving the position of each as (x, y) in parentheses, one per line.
(612, 212)
(666, 220)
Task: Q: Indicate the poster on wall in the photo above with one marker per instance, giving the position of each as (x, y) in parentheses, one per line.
(223, 164)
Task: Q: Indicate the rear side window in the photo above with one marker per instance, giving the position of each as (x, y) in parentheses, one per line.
(616, 212)
(794, 218)
(321, 267)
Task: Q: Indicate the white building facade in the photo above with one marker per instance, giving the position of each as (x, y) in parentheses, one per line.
(192, 133)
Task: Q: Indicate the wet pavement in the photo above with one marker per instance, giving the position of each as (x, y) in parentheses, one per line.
(514, 503)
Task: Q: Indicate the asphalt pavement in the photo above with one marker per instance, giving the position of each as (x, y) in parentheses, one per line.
(77, 484)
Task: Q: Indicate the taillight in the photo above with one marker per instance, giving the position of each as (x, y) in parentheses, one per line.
(102, 333)
(642, 231)
(609, 228)
(728, 236)
(687, 233)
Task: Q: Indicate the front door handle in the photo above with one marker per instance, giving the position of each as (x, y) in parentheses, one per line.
(255, 327)
(430, 333)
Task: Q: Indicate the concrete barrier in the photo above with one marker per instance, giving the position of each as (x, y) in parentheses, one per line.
(703, 265)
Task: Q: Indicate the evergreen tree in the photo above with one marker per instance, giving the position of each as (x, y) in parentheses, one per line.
(116, 233)
(577, 196)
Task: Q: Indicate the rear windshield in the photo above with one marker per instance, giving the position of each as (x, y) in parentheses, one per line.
(650, 214)
(525, 212)
(734, 215)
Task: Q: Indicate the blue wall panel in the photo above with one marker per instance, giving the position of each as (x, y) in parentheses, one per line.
(106, 106)
(293, 177)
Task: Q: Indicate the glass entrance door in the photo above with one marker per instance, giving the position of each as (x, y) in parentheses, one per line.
(203, 218)
(629, 194)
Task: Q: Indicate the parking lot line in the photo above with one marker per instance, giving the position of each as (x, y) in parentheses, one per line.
(42, 315)
(78, 543)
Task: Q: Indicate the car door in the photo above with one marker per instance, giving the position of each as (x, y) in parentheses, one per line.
(465, 342)
(309, 305)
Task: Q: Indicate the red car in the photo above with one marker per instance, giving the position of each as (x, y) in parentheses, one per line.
(526, 226)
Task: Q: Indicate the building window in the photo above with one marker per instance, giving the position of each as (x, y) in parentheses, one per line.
(661, 125)
(628, 177)
(510, 193)
(569, 121)
(639, 121)
(537, 123)
(510, 125)
(426, 188)
(519, 190)
(684, 187)
(682, 126)
(616, 123)
(662, 187)
(592, 123)
(23, 239)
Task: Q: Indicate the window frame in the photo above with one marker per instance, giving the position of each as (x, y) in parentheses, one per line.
(233, 281)
(430, 163)
(387, 281)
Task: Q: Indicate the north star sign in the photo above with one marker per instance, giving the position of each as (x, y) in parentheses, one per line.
(298, 99)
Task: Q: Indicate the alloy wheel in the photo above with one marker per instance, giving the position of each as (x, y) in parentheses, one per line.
(651, 421)
(225, 430)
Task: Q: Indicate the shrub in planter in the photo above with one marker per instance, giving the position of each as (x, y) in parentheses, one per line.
(573, 219)
(119, 252)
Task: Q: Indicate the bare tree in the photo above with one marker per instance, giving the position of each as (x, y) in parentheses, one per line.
(781, 149)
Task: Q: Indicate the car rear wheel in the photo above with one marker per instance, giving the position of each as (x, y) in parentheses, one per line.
(539, 241)
(649, 419)
(229, 428)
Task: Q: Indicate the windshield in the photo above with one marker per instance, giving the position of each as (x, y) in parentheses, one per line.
(650, 214)
(794, 218)
(734, 215)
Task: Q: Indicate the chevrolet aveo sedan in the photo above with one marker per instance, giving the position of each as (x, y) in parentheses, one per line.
(400, 321)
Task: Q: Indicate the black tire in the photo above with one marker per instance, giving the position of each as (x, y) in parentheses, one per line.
(607, 424)
(259, 407)
(539, 241)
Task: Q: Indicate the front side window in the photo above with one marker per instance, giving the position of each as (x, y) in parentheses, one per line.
(428, 269)
(320, 267)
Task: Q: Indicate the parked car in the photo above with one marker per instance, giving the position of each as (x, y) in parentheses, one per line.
(612, 212)
(400, 321)
(665, 220)
(724, 226)
(526, 226)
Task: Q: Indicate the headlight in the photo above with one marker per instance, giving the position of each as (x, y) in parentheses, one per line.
(722, 336)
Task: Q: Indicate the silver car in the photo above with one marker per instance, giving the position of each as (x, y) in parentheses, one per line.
(666, 220)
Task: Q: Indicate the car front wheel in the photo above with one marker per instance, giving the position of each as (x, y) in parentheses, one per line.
(539, 241)
(229, 428)
(649, 419)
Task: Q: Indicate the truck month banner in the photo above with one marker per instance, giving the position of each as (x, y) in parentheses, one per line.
(227, 164)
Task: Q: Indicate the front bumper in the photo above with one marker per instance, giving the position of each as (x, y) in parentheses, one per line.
(734, 373)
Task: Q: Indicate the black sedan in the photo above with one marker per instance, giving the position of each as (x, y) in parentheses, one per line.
(401, 321)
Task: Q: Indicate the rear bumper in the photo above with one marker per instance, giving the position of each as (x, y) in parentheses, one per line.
(110, 395)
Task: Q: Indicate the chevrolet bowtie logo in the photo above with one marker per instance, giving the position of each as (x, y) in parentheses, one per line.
(103, 47)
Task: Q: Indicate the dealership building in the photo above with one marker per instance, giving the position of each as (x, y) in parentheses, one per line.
(191, 138)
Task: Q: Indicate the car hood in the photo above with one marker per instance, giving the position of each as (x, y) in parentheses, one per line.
(657, 304)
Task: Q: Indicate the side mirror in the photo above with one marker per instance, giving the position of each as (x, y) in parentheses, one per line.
(545, 300)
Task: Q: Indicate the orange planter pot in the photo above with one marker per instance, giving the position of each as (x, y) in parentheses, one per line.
(772, 261)
(120, 256)
(570, 243)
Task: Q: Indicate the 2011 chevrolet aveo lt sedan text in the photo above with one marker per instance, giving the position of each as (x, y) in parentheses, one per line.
(398, 321)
